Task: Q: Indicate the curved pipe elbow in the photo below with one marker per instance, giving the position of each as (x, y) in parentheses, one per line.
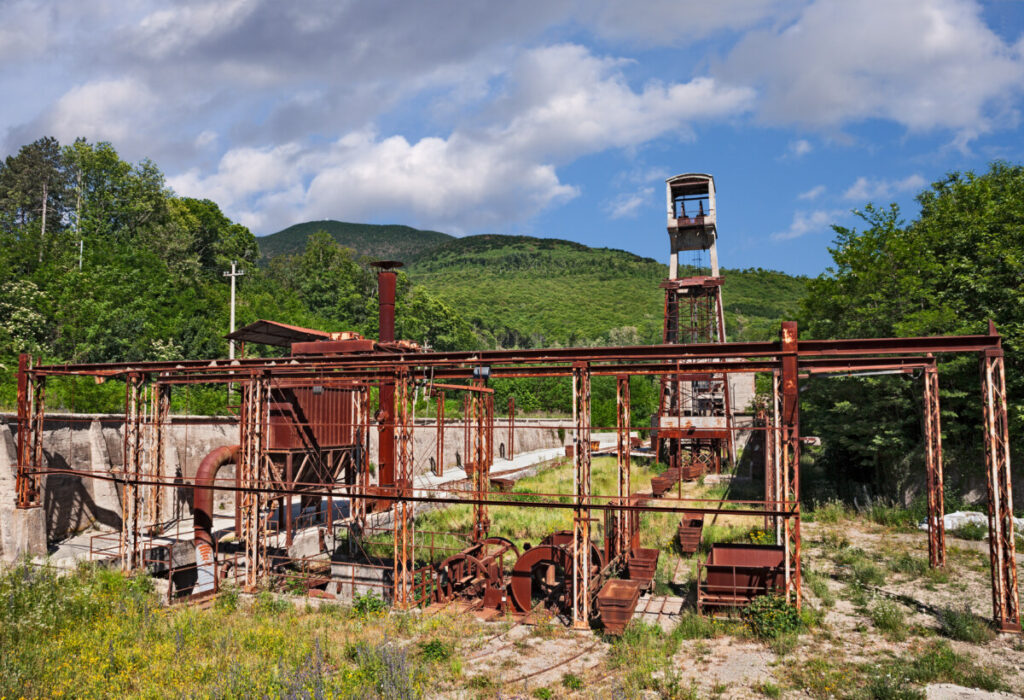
(202, 497)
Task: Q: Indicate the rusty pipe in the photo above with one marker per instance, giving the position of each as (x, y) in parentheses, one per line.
(202, 493)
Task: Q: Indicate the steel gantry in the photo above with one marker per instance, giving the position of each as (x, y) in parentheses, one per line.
(787, 359)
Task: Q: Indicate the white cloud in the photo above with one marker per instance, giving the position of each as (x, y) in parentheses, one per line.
(871, 188)
(671, 22)
(628, 204)
(812, 193)
(808, 222)
(799, 148)
(558, 104)
(106, 110)
(926, 64)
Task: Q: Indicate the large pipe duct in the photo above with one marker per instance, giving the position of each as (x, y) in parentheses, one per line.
(202, 500)
(387, 278)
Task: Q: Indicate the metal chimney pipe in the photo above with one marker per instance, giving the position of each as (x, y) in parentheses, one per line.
(386, 281)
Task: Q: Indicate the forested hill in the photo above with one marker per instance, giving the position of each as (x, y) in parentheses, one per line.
(525, 291)
(369, 240)
(538, 291)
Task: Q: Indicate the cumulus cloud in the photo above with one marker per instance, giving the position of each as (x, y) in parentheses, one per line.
(628, 204)
(879, 188)
(558, 104)
(670, 22)
(799, 148)
(808, 222)
(926, 64)
(812, 193)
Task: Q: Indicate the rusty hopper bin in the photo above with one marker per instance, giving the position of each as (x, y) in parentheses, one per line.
(735, 574)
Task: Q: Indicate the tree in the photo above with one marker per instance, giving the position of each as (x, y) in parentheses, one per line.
(958, 265)
(33, 186)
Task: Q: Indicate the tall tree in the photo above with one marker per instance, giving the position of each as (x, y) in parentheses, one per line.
(958, 265)
(33, 187)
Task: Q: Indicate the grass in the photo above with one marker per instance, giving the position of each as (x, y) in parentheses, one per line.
(963, 625)
(890, 677)
(96, 633)
(970, 531)
(888, 617)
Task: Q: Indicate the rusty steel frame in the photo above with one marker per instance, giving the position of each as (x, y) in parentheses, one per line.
(933, 469)
(254, 477)
(439, 460)
(581, 486)
(787, 358)
(622, 454)
(1005, 596)
(511, 451)
(161, 412)
(31, 414)
(129, 543)
(403, 507)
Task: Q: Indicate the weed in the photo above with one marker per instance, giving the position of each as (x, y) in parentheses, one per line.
(436, 650)
(963, 625)
(771, 616)
(758, 536)
(834, 540)
(269, 604)
(543, 693)
(910, 565)
(888, 617)
(368, 604)
(830, 512)
(769, 690)
(572, 682)
(819, 587)
(227, 598)
(970, 531)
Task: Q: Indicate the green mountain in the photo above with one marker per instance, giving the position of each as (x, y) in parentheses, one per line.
(538, 291)
(525, 291)
(370, 240)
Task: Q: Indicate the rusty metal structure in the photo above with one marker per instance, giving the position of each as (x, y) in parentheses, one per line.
(307, 423)
(694, 421)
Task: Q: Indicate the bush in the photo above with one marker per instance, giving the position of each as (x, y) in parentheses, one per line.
(888, 617)
(368, 604)
(771, 616)
(543, 693)
(963, 625)
(970, 531)
(436, 651)
(829, 512)
(572, 682)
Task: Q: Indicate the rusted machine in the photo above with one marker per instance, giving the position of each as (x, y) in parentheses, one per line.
(735, 574)
(476, 575)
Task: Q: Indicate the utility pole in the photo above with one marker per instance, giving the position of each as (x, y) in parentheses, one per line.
(235, 273)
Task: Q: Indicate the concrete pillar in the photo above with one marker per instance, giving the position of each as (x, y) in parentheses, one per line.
(22, 532)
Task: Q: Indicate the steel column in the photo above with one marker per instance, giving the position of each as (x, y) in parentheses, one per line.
(581, 486)
(511, 451)
(31, 413)
(1005, 598)
(129, 548)
(402, 515)
(254, 477)
(933, 468)
(160, 411)
(789, 384)
(439, 461)
(623, 454)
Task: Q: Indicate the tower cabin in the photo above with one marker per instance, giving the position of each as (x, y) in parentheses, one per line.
(691, 218)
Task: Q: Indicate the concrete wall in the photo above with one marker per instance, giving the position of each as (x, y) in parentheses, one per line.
(94, 443)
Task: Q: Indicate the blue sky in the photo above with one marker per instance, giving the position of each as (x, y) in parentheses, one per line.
(544, 117)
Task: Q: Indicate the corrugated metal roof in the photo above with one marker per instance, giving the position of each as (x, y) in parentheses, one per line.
(275, 333)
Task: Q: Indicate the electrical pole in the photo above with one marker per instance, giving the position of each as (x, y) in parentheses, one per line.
(233, 275)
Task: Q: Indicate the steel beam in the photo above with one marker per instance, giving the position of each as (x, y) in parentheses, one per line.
(254, 478)
(623, 449)
(790, 439)
(31, 414)
(129, 542)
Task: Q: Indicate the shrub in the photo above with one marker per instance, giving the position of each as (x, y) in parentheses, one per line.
(227, 598)
(543, 693)
(368, 604)
(970, 531)
(866, 573)
(771, 616)
(757, 536)
(888, 617)
(436, 651)
(963, 625)
(572, 682)
(269, 604)
(769, 690)
(830, 512)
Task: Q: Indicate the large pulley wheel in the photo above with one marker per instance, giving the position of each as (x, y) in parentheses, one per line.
(543, 569)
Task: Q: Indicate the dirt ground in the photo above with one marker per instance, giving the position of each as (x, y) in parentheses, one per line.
(853, 569)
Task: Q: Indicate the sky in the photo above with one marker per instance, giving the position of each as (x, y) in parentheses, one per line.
(554, 118)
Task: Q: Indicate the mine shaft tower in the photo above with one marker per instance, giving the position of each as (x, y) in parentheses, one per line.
(695, 417)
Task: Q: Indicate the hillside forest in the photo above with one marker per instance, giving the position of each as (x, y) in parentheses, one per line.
(101, 262)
